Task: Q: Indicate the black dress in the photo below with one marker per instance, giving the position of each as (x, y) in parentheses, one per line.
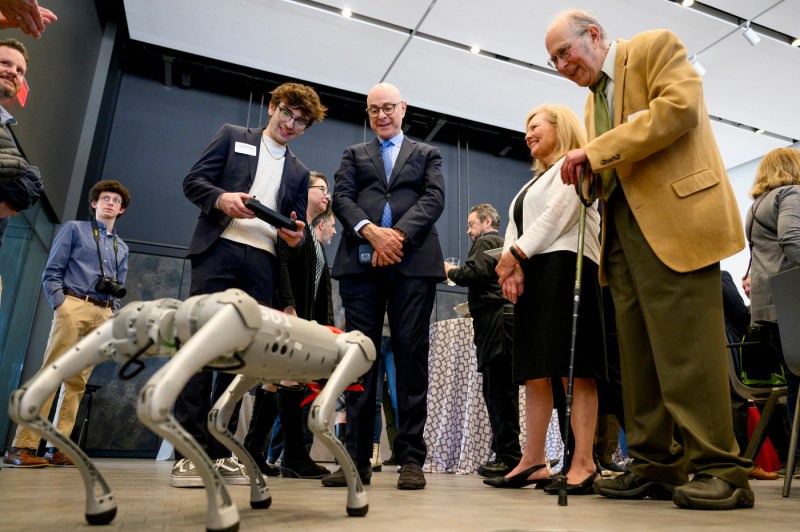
(543, 316)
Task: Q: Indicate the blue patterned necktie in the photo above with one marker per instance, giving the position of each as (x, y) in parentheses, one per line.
(386, 155)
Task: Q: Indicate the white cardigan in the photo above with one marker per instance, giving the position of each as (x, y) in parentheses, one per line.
(550, 213)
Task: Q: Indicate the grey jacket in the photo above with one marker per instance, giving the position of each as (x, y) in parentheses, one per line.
(773, 230)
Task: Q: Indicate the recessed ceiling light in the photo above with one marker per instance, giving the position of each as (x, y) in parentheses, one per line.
(346, 13)
(759, 131)
(687, 3)
(796, 42)
(475, 49)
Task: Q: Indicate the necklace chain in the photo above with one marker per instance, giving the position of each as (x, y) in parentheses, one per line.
(264, 142)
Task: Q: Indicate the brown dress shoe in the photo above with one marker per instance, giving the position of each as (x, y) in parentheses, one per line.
(58, 459)
(411, 477)
(23, 457)
(759, 474)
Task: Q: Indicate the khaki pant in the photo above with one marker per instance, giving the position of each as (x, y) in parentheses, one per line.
(73, 320)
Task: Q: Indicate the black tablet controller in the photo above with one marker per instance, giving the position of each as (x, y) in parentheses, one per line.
(268, 215)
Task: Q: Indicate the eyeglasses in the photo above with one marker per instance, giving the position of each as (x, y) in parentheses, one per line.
(285, 115)
(387, 108)
(109, 199)
(562, 54)
(322, 188)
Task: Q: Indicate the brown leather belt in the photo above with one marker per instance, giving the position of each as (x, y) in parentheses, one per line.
(89, 299)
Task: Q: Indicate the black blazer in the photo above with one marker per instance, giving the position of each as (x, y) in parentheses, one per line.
(296, 283)
(222, 169)
(415, 193)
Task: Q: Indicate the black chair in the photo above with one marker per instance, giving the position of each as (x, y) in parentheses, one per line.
(764, 393)
(786, 294)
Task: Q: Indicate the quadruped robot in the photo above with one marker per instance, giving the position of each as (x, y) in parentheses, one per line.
(227, 331)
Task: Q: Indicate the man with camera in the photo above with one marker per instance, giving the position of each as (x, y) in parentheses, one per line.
(84, 280)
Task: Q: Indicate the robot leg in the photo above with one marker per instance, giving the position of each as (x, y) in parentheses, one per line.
(222, 334)
(218, 419)
(358, 356)
(27, 401)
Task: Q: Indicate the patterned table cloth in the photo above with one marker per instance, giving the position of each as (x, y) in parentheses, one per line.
(457, 431)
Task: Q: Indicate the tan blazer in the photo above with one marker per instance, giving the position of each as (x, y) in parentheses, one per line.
(665, 155)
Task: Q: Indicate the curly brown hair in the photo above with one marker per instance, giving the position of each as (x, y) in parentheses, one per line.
(302, 97)
(108, 185)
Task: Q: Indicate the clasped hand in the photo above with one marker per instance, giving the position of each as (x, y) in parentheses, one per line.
(510, 277)
(386, 242)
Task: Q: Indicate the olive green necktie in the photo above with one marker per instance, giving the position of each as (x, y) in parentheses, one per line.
(602, 123)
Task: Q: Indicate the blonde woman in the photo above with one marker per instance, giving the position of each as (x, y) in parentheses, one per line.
(537, 274)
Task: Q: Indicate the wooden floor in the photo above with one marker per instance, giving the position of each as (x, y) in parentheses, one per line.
(53, 499)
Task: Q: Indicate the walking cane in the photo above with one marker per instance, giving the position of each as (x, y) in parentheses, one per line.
(586, 201)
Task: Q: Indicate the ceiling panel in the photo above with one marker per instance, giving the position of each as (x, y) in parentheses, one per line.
(763, 94)
(274, 36)
(478, 88)
(516, 28)
(785, 18)
(308, 39)
(405, 13)
(782, 16)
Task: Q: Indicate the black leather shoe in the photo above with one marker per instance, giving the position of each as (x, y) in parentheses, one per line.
(632, 486)
(520, 480)
(305, 468)
(705, 492)
(495, 469)
(337, 480)
(411, 477)
(584, 488)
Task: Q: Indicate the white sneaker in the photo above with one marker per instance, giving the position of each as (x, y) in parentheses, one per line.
(231, 471)
(185, 475)
(376, 462)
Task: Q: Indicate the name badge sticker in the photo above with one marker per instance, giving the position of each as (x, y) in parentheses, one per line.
(243, 147)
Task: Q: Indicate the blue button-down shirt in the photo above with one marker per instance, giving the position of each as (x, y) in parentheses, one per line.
(73, 263)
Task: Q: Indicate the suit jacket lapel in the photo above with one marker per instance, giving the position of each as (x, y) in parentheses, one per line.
(253, 138)
(405, 152)
(374, 151)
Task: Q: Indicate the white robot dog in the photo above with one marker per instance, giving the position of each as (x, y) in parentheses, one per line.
(227, 331)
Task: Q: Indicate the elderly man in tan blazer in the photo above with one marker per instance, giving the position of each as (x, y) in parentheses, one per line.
(669, 217)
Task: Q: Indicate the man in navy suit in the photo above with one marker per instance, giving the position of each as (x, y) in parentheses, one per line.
(389, 193)
(231, 248)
